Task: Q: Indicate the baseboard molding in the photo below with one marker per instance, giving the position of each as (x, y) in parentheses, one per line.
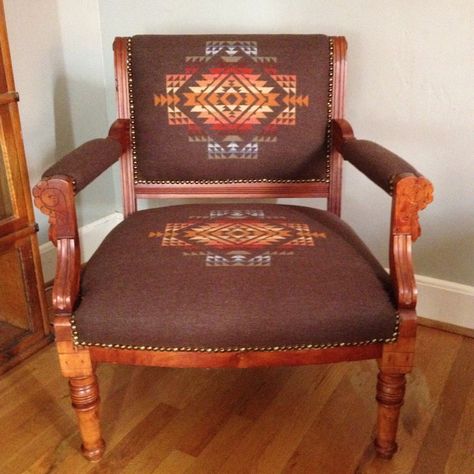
(446, 302)
(451, 328)
(441, 302)
(91, 235)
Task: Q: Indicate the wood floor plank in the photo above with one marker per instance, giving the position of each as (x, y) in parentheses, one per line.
(28, 378)
(293, 427)
(279, 414)
(271, 382)
(461, 457)
(218, 450)
(346, 419)
(212, 420)
(135, 440)
(438, 442)
(305, 419)
(219, 383)
(176, 463)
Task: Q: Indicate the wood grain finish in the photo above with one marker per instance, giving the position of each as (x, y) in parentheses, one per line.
(23, 314)
(339, 87)
(9, 97)
(233, 190)
(235, 359)
(120, 132)
(341, 132)
(411, 194)
(390, 393)
(123, 105)
(55, 197)
(85, 401)
(278, 420)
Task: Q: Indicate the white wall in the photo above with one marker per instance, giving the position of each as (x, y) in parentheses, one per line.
(410, 89)
(411, 67)
(57, 61)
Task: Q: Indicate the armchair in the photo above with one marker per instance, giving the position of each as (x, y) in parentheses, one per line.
(237, 285)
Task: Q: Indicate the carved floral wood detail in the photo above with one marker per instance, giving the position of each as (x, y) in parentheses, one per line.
(411, 195)
(55, 197)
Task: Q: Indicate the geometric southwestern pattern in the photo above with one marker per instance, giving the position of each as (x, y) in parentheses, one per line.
(234, 103)
(237, 238)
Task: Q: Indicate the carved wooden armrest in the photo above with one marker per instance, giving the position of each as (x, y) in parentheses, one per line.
(411, 194)
(55, 197)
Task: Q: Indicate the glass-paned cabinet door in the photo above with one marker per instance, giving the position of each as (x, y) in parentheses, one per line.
(23, 313)
(6, 206)
(14, 185)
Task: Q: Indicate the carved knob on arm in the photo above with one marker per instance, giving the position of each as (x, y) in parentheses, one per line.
(411, 194)
(341, 132)
(54, 197)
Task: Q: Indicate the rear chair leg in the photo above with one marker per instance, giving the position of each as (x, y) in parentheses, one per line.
(390, 393)
(85, 401)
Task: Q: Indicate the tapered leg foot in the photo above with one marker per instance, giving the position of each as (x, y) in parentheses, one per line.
(85, 401)
(390, 393)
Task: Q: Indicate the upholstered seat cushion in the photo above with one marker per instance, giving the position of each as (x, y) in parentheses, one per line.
(231, 277)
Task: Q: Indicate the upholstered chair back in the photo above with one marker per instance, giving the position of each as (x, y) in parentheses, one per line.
(230, 108)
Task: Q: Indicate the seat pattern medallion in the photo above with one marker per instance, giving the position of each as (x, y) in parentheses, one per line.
(237, 238)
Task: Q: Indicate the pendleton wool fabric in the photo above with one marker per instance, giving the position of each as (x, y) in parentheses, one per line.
(376, 162)
(228, 107)
(235, 275)
(86, 162)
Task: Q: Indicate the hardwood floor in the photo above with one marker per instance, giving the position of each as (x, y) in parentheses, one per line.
(316, 419)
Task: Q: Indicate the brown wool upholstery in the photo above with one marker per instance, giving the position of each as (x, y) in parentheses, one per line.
(86, 162)
(234, 276)
(376, 162)
(193, 98)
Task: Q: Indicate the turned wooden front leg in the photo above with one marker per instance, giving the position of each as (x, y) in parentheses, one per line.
(85, 401)
(390, 393)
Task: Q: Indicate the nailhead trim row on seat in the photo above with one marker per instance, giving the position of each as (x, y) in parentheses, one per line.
(297, 347)
(137, 180)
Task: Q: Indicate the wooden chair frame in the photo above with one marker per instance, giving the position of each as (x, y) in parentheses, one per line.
(55, 197)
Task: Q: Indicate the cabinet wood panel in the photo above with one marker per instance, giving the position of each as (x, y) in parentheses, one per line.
(23, 315)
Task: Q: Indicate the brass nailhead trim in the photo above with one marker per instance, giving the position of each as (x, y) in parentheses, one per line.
(131, 108)
(290, 347)
(137, 180)
(391, 184)
(330, 104)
